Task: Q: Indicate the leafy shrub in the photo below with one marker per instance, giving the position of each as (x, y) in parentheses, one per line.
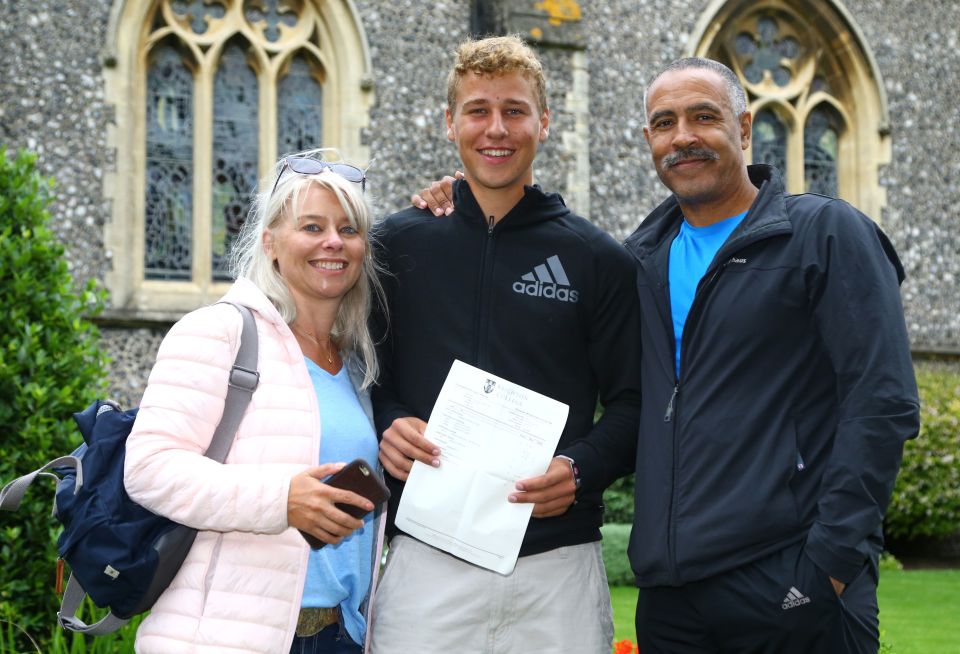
(616, 537)
(618, 501)
(889, 563)
(926, 498)
(50, 367)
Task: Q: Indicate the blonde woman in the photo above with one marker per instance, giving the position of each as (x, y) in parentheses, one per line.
(251, 583)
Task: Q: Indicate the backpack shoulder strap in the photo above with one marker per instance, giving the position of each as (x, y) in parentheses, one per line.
(12, 494)
(73, 595)
(244, 379)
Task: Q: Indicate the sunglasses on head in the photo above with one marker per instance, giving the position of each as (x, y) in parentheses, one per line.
(305, 166)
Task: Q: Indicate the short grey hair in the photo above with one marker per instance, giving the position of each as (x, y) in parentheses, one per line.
(735, 92)
(250, 260)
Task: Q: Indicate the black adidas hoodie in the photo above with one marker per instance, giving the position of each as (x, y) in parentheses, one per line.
(544, 299)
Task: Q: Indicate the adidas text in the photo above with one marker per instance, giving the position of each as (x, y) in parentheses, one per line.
(794, 599)
(552, 291)
(548, 280)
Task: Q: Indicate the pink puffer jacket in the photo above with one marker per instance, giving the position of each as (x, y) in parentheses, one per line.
(240, 587)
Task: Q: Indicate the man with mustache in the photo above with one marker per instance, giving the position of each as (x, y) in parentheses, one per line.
(778, 390)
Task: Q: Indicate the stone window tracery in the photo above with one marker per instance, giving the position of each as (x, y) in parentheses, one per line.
(776, 58)
(818, 107)
(208, 94)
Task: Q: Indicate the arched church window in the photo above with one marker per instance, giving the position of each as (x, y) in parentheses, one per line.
(821, 136)
(234, 176)
(208, 94)
(169, 169)
(816, 96)
(769, 139)
(771, 58)
(300, 107)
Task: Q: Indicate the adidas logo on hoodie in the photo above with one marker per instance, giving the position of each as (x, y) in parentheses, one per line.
(547, 280)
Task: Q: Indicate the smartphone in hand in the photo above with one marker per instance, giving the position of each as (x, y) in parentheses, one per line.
(361, 478)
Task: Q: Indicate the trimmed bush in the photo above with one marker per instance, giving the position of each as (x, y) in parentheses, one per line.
(618, 501)
(616, 537)
(926, 498)
(50, 367)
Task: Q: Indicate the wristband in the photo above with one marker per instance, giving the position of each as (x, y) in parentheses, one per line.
(574, 468)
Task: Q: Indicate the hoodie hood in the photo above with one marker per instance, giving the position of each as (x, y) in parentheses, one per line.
(535, 206)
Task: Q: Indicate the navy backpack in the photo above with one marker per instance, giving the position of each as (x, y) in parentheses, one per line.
(119, 553)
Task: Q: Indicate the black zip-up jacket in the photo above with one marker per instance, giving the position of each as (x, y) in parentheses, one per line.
(795, 396)
(543, 299)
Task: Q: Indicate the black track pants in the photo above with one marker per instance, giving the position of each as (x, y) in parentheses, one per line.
(782, 604)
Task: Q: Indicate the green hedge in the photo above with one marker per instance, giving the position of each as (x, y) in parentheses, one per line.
(926, 498)
(616, 537)
(618, 501)
(50, 367)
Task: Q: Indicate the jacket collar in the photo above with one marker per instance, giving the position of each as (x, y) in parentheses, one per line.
(247, 293)
(767, 216)
(535, 206)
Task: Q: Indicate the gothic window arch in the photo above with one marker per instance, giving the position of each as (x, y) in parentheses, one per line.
(208, 93)
(771, 131)
(818, 104)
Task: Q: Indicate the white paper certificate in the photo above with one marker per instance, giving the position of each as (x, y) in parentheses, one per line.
(491, 433)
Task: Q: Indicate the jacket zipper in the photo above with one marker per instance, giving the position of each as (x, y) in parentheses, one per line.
(483, 289)
(670, 415)
(674, 486)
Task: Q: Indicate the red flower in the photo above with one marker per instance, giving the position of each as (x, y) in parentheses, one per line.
(625, 647)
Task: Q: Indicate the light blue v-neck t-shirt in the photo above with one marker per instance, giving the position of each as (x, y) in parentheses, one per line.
(339, 575)
(691, 252)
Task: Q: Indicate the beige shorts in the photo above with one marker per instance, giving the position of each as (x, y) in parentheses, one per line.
(430, 602)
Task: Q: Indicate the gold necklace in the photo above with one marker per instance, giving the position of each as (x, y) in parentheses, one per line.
(318, 344)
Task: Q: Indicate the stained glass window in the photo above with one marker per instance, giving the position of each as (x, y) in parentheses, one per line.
(198, 13)
(820, 150)
(235, 151)
(766, 51)
(169, 167)
(299, 109)
(269, 15)
(227, 86)
(770, 140)
(816, 96)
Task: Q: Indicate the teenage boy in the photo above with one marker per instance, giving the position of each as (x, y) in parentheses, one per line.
(514, 283)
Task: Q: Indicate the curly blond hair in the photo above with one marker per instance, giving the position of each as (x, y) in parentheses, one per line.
(496, 55)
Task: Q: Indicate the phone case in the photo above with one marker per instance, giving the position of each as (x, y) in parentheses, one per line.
(361, 478)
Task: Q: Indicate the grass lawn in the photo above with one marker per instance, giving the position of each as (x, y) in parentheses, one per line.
(919, 611)
(624, 601)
